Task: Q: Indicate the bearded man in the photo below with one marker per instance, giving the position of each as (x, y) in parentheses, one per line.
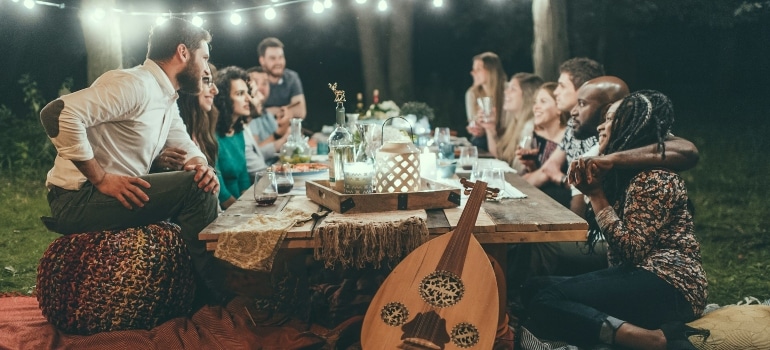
(108, 134)
(285, 86)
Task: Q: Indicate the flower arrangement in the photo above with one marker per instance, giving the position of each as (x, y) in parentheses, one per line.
(418, 109)
(383, 110)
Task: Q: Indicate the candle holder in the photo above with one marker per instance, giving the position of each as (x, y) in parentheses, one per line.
(397, 165)
(358, 177)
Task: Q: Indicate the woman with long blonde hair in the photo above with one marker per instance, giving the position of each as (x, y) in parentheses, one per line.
(517, 110)
(488, 81)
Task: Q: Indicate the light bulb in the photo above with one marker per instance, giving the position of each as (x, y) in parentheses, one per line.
(29, 4)
(235, 19)
(318, 6)
(160, 20)
(328, 3)
(197, 21)
(270, 13)
(361, 1)
(438, 3)
(382, 5)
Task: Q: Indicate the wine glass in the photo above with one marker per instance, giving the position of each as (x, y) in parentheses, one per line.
(485, 104)
(469, 156)
(494, 178)
(529, 143)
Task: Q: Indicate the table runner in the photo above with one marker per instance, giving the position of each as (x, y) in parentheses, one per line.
(254, 244)
(355, 240)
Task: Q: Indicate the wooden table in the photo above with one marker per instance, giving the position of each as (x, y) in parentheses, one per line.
(537, 218)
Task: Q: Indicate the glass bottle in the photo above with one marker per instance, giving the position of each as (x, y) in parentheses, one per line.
(340, 149)
(295, 150)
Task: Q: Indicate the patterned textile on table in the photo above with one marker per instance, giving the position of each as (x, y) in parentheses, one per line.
(253, 245)
(135, 278)
(355, 240)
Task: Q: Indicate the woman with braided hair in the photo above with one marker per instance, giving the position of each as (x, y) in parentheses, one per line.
(655, 281)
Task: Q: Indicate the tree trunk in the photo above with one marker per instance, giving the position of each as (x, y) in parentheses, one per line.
(400, 75)
(371, 51)
(102, 38)
(550, 46)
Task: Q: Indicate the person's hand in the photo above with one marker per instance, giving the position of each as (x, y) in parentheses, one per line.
(528, 158)
(284, 121)
(553, 173)
(205, 176)
(278, 143)
(602, 164)
(489, 124)
(475, 130)
(585, 176)
(256, 100)
(170, 158)
(126, 189)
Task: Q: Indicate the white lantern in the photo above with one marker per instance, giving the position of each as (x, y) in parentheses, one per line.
(397, 167)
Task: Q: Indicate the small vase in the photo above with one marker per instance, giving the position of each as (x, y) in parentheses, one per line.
(296, 149)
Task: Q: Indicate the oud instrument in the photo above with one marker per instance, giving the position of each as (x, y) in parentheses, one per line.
(443, 295)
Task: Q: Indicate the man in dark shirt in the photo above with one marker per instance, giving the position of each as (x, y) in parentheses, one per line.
(285, 86)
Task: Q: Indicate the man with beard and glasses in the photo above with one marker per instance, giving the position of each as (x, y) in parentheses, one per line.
(285, 86)
(107, 136)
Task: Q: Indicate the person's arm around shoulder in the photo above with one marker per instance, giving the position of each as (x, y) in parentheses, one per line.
(681, 155)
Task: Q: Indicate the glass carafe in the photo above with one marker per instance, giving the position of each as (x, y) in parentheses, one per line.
(295, 150)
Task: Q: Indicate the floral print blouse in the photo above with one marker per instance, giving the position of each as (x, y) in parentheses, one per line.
(657, 234)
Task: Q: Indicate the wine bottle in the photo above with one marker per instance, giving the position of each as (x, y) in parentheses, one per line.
(340, 149)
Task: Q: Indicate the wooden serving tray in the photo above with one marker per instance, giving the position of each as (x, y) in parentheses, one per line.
(432, 195)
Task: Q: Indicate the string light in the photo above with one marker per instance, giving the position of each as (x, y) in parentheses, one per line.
(318, 6)
(197, 20)
(235, 19)
(270, 13)
(382, 5)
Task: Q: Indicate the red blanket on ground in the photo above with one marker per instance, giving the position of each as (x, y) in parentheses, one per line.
(22, 326)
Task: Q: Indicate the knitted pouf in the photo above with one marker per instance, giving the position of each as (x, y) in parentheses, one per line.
(134, 278)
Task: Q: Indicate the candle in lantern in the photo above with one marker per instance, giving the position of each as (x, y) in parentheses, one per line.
(427, 164)
(358, 177)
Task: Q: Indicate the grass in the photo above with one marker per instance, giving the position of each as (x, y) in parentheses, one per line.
(23, 238)
(729, 188)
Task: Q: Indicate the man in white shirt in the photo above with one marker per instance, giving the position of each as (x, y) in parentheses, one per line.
(108, 134)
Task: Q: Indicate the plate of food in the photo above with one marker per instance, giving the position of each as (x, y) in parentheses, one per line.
(302, 169)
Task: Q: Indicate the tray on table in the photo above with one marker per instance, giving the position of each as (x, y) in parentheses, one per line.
(432, 195)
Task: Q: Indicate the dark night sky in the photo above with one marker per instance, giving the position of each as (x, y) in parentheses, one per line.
(686, 58)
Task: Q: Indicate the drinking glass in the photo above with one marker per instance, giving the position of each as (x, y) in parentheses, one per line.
(494, 178)
(485, 104)
(441, 136)
(469, 156)
(529, 143)
(283, 180)
(265, 191)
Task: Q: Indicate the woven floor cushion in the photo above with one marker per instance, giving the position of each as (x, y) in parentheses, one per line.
(735, 327)
(134, 278)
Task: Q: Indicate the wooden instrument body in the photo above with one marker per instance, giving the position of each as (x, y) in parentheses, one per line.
(478, 306)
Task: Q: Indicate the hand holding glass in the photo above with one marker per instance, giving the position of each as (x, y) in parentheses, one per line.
(528, 143)
(485, 105)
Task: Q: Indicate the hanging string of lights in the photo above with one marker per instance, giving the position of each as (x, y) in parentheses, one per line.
(318, 7)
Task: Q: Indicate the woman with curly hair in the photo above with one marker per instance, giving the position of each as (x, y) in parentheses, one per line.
(655, 281)
(236, 144)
